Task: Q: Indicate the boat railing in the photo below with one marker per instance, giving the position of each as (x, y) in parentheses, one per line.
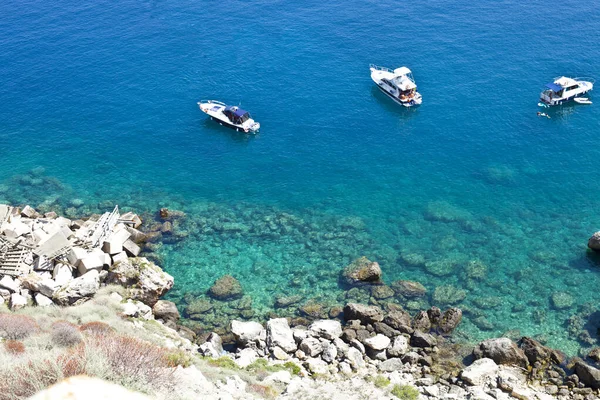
(585, 79)
(212, 102)
(377, 67)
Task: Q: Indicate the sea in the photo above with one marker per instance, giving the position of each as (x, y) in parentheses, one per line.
(472, 194)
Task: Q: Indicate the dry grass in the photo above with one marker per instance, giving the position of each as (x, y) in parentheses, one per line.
(14, 347)
(96, 327)
(65, 334)
(17, 327)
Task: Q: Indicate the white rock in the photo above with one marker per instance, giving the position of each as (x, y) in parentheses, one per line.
(345, 368)
(355, 358)
(116, 296)
(311, 347)
(478, 393)
(329, 352)
(399, 346)
(47, 287)
(9, 284)
(245, 357)
(316, 366)
(76, 254)
(114, 244)
(378, 342)
(247, 332)
(17, 301)
(130, 309)
(393, 364)
(326, 328)
(278, 377)
(93, 260)
(84, 286)
(62, 274)
(341, 347)
(280, 334)
(42, 301)
(279, 354)
(480, 372)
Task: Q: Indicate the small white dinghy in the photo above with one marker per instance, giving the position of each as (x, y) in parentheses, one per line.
(582, 100)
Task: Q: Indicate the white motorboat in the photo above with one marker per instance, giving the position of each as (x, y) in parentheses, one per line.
(398, 84)
(565, 89)
(231, 116)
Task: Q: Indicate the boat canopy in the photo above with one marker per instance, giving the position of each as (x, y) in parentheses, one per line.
(404, 83)
(402, 71)
(236, 114)
(554, 87)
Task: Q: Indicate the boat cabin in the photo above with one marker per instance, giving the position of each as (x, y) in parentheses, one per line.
(236, 115)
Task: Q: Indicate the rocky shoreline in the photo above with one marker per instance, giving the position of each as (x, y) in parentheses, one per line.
(367, 350)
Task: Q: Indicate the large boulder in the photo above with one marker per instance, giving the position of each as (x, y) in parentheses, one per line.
(362, 271)
(363, 313)
(145, 281)
(399, 320)
(77, 289)
(449, 320)
(247, 332)
(279, 334)
(226, 288)
(502, 351)
(480, 372)
(326, 328)
(378, 342)
(166, 310)
(421, 339)
(587, 374)
(594, 241)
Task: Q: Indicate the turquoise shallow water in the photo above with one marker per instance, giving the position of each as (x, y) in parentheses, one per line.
(103, 98)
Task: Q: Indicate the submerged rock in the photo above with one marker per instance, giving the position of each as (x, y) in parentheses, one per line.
(449, 320)
(362, 270)
(448, 294)
(381, 292)
(562, 300)
(226, 288)
(409, 289)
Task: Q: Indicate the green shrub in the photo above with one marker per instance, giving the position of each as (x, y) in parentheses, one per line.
(223, 362)
(292, 367)
(177, 358)
(405, 392)
(380, 381)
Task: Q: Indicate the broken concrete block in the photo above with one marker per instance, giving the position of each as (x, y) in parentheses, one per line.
(28, 212)
(17, 301)
(62, 274)
(131, 219)
(63, 221)
(94, 260)
(119, 257)
(15, 228)
(51, 215)
(53, 245)
(132, 249)
(42, 301)
(114, 243)
(77, 224)
(107, 260)
(136, 235)
(39, 235)
(76, 254)
(10, 284)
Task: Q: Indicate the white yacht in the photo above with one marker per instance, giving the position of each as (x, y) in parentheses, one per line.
(231, 116)
(564, 89)
(398, 84)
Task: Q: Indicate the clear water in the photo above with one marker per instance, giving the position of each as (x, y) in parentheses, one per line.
(103, 98)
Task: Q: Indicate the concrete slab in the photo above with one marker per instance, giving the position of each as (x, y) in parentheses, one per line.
(132, 249)
(76, 254)
(114, 243)
(94, 260)
(28, 212)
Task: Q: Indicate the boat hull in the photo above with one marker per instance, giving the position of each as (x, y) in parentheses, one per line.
(560, 102)
(411, 103)
(215, 111)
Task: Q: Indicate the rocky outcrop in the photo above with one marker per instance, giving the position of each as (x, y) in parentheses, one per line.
(280, 335)
(226, 288)
(247, 333)
(362, 271)
(588, 375)
(409, 289)
(78, 289)
(594, 241)
(449, 320)
(145, 281)
(502, 351)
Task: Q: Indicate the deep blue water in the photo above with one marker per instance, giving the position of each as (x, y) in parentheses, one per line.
(103, 97)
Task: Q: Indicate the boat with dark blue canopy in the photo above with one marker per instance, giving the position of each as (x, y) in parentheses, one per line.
(565, 89)
(231, 116)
